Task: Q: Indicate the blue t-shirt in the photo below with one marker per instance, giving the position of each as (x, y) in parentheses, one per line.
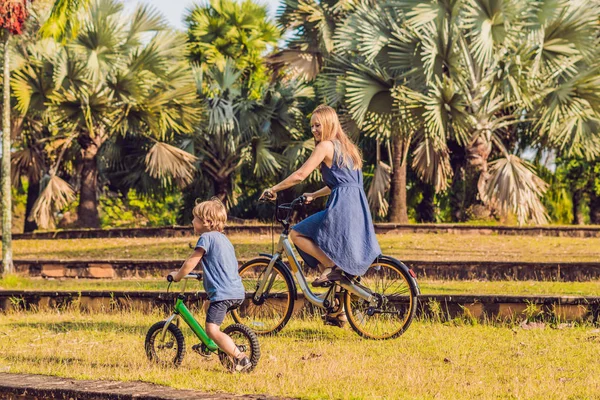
(221, 278)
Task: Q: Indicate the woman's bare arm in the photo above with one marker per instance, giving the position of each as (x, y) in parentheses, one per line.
(324, 191)
(322, 150)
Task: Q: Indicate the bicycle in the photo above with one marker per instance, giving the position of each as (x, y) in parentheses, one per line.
(381, 304)
(165, 342)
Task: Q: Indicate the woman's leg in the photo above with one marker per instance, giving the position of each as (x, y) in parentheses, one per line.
(307, 245)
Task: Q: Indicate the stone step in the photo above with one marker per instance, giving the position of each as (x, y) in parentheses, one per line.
(41, 387)
(453, 270)
(439, 307)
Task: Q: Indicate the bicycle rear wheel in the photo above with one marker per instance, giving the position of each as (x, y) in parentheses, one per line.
(246, 341)
(272, 311)
(396, 294)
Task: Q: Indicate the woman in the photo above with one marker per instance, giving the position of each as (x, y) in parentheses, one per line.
(342, 236)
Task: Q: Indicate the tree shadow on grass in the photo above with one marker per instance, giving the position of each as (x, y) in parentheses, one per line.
(312, 333)
(45, 359)
(68, 326)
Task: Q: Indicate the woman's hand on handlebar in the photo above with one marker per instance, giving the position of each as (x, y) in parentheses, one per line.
(268, 195)
(308, 198)
(171, 277)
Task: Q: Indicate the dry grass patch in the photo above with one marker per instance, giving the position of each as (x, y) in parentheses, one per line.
(312, 361)
(402, 246)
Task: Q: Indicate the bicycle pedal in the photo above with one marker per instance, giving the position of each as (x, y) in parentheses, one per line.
(202, 350)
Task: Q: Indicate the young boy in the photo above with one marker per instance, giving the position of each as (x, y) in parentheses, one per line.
(222, 282)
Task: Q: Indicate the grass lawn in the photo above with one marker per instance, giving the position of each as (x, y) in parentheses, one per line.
(312, 361)
(402, 246)
(591, 288)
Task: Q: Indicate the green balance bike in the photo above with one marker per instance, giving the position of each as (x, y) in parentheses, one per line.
(165, 343)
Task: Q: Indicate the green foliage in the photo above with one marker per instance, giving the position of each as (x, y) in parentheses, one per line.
(228, 29)
(133, 210)
(557, 199)
(474, 73)
(119, 77)
(574, 190)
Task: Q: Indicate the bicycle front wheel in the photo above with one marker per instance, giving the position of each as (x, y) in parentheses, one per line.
(166, 349)
(272, 311)
(396, 295)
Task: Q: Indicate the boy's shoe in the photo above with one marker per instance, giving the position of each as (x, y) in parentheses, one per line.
(242, 364)
(201, 349)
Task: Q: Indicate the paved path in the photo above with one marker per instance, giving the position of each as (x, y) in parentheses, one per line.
(34, 387)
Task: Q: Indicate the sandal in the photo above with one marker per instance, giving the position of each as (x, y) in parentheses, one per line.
(338, 320)
(322, 279)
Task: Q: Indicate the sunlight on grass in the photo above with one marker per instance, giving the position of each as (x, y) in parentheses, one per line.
(310, 360)
(402, 246)
(591, 288)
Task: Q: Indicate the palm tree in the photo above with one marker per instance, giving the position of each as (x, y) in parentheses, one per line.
(241, 130)
(312, 24)
(475, 73)
(12, 18)
(63, 20)
(112, 81)
(226, 29)
(31, 84)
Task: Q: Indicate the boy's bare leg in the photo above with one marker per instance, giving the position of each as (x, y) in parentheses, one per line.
(223, 340)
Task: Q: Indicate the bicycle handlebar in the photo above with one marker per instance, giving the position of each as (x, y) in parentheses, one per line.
(191, 275)
(292, 208)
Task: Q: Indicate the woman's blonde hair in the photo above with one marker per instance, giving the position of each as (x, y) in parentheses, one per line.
(331, 129)
(213, 212)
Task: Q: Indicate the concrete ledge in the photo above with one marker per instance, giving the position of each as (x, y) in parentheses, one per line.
(263, 229)
(489, 270)
(40, 387)
(494, 307)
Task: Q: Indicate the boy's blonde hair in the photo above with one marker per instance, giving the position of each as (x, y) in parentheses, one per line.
(213, 212)
(331, 129)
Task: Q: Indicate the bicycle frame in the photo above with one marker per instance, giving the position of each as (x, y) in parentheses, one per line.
(180, 310)
(284, 246)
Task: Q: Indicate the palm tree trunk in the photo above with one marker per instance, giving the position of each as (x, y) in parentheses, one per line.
(87, 212)
(426, 208)
(221, 188)
(398, 208)
(7, 262)
(33, 192)
(578, 218)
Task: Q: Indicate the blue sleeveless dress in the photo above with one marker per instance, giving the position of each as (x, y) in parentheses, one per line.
(344, 229)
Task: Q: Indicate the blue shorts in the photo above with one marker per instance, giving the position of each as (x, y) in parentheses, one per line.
(218, 309)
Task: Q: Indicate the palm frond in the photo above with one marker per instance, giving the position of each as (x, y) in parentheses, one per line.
(298, 151)
(432, 164)
(165, 160)
(512, 186)
(27, 161)
(570, 115)
(368, 89)
(304, 64)
(55, 195)
(266, 162)
(378, 188)
(63, 21)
